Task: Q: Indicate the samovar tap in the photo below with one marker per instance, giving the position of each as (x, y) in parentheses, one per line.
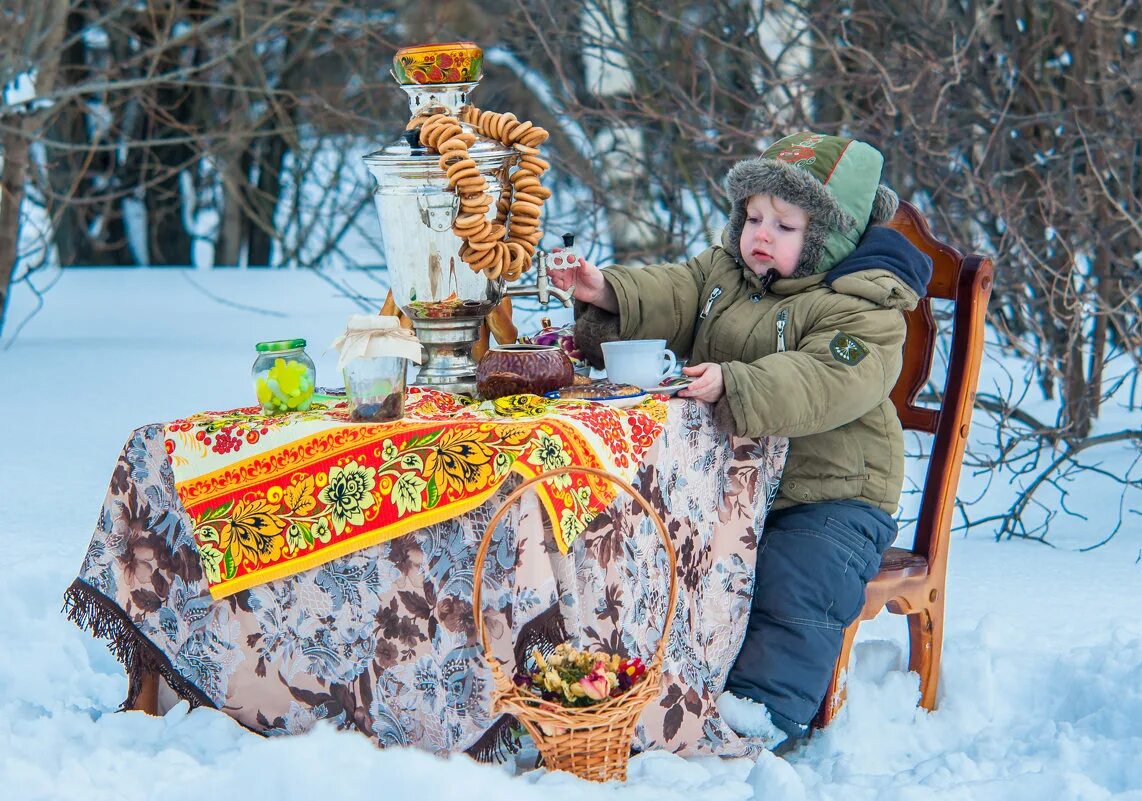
(542, 288)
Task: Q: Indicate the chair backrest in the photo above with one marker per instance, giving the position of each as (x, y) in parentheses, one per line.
(966, 281)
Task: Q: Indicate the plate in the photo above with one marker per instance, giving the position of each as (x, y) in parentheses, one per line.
(620, 396)
(671, 385)
(623, 402)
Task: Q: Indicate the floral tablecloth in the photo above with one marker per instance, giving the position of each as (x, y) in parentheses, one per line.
(273, 496)
(382, 640)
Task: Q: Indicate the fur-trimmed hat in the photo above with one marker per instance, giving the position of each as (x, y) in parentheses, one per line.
(834, 179)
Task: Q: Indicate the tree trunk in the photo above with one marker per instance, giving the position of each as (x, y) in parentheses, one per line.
(11, 201)
(232, 217)
(169, 240)
(82, 184)
(271, 158)
(273, 148)
(42, 38)
(625, 183)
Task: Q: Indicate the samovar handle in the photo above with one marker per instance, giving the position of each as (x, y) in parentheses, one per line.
(438, 212)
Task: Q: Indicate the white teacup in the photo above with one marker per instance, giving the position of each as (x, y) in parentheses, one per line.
(642, 362)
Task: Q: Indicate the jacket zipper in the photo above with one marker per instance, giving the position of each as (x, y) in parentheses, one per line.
(714, 295)
(781, 317)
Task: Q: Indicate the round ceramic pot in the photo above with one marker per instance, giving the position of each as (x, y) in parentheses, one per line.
(517, 369)
(446, 62)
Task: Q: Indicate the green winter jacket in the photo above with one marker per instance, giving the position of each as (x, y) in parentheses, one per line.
(811, 358)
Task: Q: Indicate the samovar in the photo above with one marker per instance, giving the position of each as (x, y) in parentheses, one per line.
(444, 298)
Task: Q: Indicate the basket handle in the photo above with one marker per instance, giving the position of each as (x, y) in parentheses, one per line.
(485, 543)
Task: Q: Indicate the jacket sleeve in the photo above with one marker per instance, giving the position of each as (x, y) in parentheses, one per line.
(819, 386)
(660, 301)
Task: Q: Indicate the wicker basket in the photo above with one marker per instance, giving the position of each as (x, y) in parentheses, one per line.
(593, 742)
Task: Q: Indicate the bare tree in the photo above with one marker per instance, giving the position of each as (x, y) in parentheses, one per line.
(1016, 123)
(176, 124)
(30, 45)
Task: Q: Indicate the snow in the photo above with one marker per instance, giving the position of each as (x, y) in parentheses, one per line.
(749, 718)
(1041, 692)
(20, 90)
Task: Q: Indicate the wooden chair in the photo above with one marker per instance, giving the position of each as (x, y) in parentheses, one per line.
(911, 581)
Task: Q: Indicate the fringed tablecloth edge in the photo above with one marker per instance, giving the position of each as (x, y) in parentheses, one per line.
(501, 740)
(498, 743)
(97, 614)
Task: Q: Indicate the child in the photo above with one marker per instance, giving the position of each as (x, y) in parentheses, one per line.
(793, 327)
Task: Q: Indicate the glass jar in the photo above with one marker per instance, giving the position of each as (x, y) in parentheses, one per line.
(374, 388)
(284, 376)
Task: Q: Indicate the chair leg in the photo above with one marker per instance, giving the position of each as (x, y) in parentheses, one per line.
(926, 639)
(835, 694)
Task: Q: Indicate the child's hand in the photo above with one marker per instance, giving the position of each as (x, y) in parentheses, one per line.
(584, 278)
(708, 385)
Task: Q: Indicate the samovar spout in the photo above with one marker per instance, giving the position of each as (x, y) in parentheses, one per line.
(564, 296)
(543, 290)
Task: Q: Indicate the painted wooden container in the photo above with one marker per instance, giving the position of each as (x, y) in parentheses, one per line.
(447, 62)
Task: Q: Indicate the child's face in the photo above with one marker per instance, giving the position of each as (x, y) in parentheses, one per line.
(773, 235)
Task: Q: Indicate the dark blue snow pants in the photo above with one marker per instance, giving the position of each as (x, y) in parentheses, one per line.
(813, 563)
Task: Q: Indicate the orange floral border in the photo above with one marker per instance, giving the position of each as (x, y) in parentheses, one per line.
(280, 509)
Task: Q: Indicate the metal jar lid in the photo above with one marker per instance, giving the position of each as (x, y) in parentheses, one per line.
(278, 345)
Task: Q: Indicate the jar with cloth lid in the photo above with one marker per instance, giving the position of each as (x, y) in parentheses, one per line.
(284, 376)
(374, 356)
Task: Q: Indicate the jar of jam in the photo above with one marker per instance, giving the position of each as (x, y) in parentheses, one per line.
(374, 388)
(375, 352)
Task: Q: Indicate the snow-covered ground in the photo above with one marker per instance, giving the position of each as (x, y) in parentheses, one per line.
(1041, 694)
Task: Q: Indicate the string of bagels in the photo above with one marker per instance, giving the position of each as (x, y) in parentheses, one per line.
(502, 247)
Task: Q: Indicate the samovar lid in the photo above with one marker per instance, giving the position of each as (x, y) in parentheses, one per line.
(402, 152)
(406, 153)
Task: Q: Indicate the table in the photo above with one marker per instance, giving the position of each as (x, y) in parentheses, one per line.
(382, 640)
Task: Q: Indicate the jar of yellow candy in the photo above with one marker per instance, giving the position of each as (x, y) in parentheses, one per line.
(284, 376)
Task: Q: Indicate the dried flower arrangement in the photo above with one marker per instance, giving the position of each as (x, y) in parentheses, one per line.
(575, 678)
